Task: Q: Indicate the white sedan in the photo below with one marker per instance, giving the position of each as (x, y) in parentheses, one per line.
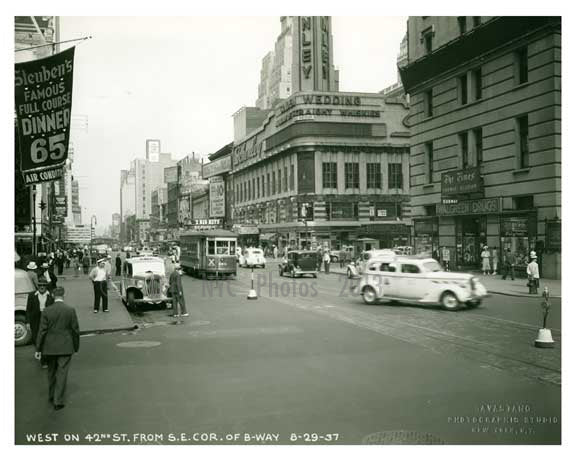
(418, 280)
(252, 257)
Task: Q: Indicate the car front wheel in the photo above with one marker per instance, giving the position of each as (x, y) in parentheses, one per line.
(449, 301)
(22, 334)
(369, 295)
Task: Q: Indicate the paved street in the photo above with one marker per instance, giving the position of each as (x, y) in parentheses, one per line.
(310, 361)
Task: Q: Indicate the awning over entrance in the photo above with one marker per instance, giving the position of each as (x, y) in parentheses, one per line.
(269, 236)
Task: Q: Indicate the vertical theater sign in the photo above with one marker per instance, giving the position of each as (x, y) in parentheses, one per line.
(43, 103)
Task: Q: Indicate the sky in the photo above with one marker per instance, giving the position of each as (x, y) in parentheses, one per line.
(180, 79)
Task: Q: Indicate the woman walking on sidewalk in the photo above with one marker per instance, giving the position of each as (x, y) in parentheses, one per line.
(485, 255)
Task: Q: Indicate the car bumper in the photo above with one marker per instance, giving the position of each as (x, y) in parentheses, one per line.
(159, 300)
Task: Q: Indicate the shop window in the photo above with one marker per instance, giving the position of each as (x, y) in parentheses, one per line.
(525, 202)
(352, 175)
(479, 146)
(329, 175)
(373, 176)
(383, 211)
(463, 138)
(477, 83)
(428, 103)
(522, 142)
(337, 211)
(429, 161)
(521, 65)
(463, 89)
(462, 24)
(395, 176)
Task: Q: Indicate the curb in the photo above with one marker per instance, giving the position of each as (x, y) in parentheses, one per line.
(108, 330)
(518, 295)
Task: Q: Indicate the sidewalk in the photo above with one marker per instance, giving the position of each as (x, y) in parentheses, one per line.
(494, 284)
(79, 294)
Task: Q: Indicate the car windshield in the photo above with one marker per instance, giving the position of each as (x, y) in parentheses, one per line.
(432, 266)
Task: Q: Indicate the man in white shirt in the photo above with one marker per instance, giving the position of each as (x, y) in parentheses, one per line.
(99, 276)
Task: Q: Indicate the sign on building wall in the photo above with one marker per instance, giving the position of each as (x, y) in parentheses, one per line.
(153, 150)
(61, 206)
(170, 174)
(43, 98)
(78, 234)
(467, 207)
(217, 200)
(217, 167)
(462, 182)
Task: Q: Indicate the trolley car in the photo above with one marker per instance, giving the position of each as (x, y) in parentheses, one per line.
(208, 253)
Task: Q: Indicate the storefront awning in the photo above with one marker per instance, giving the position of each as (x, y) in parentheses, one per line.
(269, 236)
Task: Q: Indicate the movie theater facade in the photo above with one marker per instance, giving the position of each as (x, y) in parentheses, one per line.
(326, 169)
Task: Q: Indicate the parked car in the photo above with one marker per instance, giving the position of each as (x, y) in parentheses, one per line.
(298, 263)
(23, 286)
(418, 280)
(128, 248)
(144, 281)
(252, 257)
(335, 254)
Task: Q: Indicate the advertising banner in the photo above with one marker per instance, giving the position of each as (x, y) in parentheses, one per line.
(61, 206)
(217, 201)
(43, 99)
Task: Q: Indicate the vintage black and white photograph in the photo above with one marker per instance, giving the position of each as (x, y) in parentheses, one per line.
(287, 230)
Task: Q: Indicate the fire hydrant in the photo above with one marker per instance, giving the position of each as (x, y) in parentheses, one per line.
(544, 338)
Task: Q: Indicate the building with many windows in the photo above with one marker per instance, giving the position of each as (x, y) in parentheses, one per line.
(485, 136)
(325, 168)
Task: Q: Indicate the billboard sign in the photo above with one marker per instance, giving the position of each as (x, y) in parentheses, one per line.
(153, 150)
(217, 200)
(61, 206)
(43, 100)
(217, 167)
(462, 182)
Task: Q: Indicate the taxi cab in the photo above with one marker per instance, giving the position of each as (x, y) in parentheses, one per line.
(252, 257)
(418, 280)
(144, 281)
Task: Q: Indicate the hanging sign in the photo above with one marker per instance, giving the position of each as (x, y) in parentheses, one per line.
(43, 100)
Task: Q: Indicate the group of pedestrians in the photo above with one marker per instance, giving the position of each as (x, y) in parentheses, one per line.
(53, 325)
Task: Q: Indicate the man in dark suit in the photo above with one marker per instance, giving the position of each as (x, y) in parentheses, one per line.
(177, 293)
(58, 339)
(37, 302)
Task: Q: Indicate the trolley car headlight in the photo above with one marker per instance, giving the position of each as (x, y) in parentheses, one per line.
(140, 284)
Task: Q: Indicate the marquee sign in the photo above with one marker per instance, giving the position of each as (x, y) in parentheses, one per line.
(43, 98)
(469, 207)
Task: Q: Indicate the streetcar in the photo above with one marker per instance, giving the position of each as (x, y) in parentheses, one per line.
(209, 253)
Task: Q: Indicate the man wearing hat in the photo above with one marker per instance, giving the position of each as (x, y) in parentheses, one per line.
(31, 269)
(58, 339)
(533, 273)
(37, 302)
(177, 293)
(99, 277)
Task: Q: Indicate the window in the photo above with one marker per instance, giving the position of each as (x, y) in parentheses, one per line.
(522, 136)
(222, 247)
(387, 267)
(336, 211)
(463, 84)
(476, 20)
(429, 161)
(258, 187)
(373, 176)
(273, 182)
(477, 83)
(268, 184)
(428, 103)
(521, 61)
(352, 175)
(478, 146)
(463, 137)
(462, 24)
(253, 188)
(524, 203)
(428, 43)
(395, 176)
(329, 175)
(211, 247)
(279, 183)
(410, 269)
(285, 179)
(291, 177)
